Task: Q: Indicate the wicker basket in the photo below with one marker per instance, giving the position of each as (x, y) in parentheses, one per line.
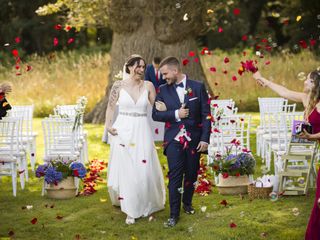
(258, 192)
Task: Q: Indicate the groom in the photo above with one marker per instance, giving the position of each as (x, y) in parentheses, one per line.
(187, 132)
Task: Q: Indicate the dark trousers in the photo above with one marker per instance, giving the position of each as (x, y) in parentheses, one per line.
(183, 165)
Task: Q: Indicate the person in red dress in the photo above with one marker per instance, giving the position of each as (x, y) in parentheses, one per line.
(310, 97)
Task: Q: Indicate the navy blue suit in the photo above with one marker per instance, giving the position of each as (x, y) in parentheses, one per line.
(183, 163)
(150, 75)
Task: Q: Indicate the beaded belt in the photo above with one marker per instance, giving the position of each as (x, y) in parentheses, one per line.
(133, 114)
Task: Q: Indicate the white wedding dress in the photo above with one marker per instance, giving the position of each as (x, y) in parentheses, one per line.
(135, 179)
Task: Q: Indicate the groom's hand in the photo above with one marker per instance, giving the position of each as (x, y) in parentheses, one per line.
(202, 146)
(183, 112)
(113, 131)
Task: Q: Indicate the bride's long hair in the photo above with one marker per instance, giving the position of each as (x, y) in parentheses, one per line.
(314, 95)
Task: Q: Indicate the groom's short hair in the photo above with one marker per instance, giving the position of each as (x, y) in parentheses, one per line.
(171, 61)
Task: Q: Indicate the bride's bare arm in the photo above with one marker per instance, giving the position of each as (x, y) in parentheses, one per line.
(113, 98)
(152, 92)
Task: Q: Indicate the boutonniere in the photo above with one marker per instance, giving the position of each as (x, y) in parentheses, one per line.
(189, 92)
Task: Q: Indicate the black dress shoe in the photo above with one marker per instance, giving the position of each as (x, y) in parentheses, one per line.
(188, 209)
(171, 222)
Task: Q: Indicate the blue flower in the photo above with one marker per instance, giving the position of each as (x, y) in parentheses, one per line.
(79, 168)
(41, 170)
(52, 176)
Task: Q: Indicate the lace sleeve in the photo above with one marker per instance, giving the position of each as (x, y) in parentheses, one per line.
(113, 98)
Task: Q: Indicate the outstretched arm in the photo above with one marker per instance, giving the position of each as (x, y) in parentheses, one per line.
(113, 98)
(280, 90)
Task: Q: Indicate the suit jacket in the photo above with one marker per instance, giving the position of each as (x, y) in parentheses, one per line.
(150, 75)
(196, 99)
(4, 107)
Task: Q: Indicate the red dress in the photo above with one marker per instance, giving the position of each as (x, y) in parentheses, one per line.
(313, 229)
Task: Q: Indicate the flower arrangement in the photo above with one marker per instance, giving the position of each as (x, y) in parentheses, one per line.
(234, 164)
(58, 169)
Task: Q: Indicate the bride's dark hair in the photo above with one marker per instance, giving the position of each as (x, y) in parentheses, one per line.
(132, 60)
(314, 95)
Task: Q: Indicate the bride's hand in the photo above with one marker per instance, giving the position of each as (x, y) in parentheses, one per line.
(260, 80)
(161, 106)
(113, 131)
(318, 202)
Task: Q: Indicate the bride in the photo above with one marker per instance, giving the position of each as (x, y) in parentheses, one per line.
(135, 180)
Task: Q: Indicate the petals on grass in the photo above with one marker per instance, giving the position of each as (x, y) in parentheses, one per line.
(59, 217)
(233, 225)
(224, 202)
(224, 71)
(10, 233)
(34, 221)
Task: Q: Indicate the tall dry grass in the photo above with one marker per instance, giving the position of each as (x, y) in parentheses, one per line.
(58, 79)
(65, 77)
(283, 69)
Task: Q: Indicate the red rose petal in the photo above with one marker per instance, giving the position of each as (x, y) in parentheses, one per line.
(17, 39)
(236, 11)
(213, 69)
(120, 198)
(34, 220)
(191, 54)
(220, 29)
(232, 121)
(196, 60)
(15, 53)
(67, 28)
(234, 78)
(59, 217)
(233, 225)
(244, 38)
(55, 41)
(70, 40)
(303, 44)
(226, 60)
(156, 131)
(58, 27)
(313, 42)
(144, 161)
(185, 61)
(28, 68)
(224, 71)
(10, 233)
(224, 202)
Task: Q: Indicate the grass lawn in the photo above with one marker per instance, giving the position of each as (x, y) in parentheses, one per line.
(93, 217)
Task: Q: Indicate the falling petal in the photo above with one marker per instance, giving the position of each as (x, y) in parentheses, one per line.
(234, 78)
(144, 161)
(178, 5)
(55, 41)
(15, 53)
(224, 202)
(156, 131)
(196, 60)
(185, 17)
(303, 44)
(244, 38)
(213, 69)
(70, 40)
(67, 28)
(191, 54)
(17, 39)
(209, 11)
(267, 62)
(180, 190)
(58, 27)
(236, 11)
(185, 61)
(220, 29)
(6, 44)
(226, 60)
(298, 18)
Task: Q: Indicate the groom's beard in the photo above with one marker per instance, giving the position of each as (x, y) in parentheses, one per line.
(172, 80)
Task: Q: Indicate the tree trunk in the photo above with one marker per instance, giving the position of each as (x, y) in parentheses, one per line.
(147, 36)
